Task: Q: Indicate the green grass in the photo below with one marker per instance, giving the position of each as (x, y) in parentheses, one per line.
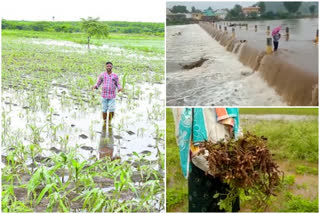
(146, 43)
(294, 140)
(147, 28)
(31, 77)
(177, 185)
(292, 111)
(301, 169)
(296, 203)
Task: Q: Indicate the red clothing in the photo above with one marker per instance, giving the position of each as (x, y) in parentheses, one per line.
(109, 85)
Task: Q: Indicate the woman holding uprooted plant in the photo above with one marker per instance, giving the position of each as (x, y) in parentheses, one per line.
(196, 125)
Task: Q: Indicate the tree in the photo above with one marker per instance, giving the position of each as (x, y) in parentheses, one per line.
(312, 9)
(292, 7)
(235, 12)
(238, 9)
(93, 27)
(269, 15)
(253, 15)
(179, 9)
(193, 9)
(209, 8)
(262, 6)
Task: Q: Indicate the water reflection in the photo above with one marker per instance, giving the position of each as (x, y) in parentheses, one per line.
(106, 144)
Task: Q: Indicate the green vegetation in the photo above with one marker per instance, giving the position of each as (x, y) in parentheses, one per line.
(295, 147)
(296, 203)
(292, 111)
(273, 10)
(55, 156)
(292, 7)
(177, 185)
(301, 169)
(134, 42)
(312, 9)
(179, 9)
(92, 27)
(142, 28)
(289, 140)
(45, 188)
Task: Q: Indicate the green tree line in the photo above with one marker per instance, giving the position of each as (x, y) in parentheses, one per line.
(236, 13)
(75, 26)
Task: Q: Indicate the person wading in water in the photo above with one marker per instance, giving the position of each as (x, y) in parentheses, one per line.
(110, 82)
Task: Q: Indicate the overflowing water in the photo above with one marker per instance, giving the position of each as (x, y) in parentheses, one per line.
(219, 81)
(299, 50)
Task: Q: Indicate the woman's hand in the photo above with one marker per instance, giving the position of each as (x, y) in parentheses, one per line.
(196, 151)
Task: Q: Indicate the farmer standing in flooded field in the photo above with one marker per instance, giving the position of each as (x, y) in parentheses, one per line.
(110, 82)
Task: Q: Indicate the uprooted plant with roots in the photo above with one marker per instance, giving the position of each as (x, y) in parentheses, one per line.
(246, 165)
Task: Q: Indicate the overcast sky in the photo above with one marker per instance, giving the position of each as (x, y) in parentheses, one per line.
(213, 4)
(73, 10)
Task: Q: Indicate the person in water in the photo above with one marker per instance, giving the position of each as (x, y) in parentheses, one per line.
(110, 83)
(276, 38)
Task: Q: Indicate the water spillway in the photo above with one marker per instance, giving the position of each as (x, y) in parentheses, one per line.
(289, 71)
(221, 79)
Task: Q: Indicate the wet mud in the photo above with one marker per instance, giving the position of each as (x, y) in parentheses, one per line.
(62, 120)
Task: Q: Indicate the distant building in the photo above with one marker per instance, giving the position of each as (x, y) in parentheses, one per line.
(188, 15)
(247, 10)
(175, 16)
(221, 14)
(197, 16)
(208, 12)
(208, 15)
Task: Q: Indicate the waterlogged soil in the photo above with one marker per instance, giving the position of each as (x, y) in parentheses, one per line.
(305, 185)
(67, 47)
(221, 80)
(66, 117)
(130, 131)
(251, 119)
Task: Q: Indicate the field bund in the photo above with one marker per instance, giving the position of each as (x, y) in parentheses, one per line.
(294, 77)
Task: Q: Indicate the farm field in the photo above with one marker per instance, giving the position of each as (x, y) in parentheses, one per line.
(294, 145)
(56, 153)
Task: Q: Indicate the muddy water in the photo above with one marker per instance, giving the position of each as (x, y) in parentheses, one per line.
(138, 119)
(221, 80)
(75, 115)
(295, 82)
(299, 50)
(66, 46)
(131, 130)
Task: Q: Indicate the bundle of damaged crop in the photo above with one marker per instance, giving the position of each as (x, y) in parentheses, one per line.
(245, 164)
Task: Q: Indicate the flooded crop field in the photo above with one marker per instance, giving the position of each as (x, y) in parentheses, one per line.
(57, 155)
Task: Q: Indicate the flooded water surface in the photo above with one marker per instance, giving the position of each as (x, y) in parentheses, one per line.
(52, 123)
(221, 80)
(299, 50)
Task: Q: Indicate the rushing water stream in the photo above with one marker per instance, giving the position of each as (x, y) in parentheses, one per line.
(221, 80)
